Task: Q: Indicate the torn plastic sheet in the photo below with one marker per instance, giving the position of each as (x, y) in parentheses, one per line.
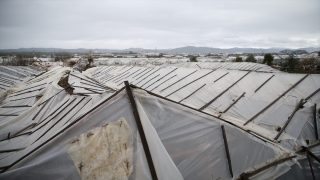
(104, 152)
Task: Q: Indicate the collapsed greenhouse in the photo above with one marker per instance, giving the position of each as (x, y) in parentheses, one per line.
(174, 121)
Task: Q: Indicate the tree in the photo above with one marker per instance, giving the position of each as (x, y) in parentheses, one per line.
(292, 62)
(238, 59)
(268, 58)
(62, 56)
(193, 59)
(251, 58)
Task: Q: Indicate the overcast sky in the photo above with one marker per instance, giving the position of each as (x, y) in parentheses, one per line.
(158, 23)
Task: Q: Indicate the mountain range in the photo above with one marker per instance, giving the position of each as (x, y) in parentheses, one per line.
(186, 49)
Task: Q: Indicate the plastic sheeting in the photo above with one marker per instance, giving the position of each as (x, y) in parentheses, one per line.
(184, 143)
(193, 141)
(104, 152)
(49, 110)
(111, 111)
(218, 91)
(245, 66)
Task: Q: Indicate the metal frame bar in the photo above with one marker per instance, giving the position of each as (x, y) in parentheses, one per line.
(51, 97)
(210, 102)
(234, 102)
(298, 106)
(164, 82)
(28, 92)
(88, 89)
(64, 115)
(141, 132)
(315, 124)
(58, 112)
(23, 129)
(3, 75)
(128, 76)
(269, 105)
(22, 106)
(11, 150)
(264, 83)
(192, 93)
(5, 85)
(310, 153)
(179, 80)
(9, 114)
(227, 149)
(252, 173)
(140, 72)
(162, 77)
(190, 83)
(256, 134)
(28, 88)
(35, 116)
(148, 74)
(100, 70)
(150, 80)
(310, 164)
(4, 169)
(26, 98)
(80, 109)
(93, 85)
(221, 77)
(312, 94)
(146, 77)
(120, 76)
(98, 84)
(145, 73)
(109, 79)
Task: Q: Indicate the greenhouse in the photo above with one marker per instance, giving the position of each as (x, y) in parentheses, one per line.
(170, 121)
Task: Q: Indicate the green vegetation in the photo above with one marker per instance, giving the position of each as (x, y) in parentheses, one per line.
(251, 58)
(238, 59)
(72, 63)
(193, 59)
(268, 58)
(290, 64)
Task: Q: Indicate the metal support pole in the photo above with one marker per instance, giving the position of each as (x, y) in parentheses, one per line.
(233, 103)
(141, 132)
(263, 83)
(210, 102)
(188, 83)
(274, 101)
(221, 77)
(178, 81)
(163, 82)
(289, 119)
(192, 93)
(315, 92)
(310, 164)
(227, 149)
(252, 173)
(315, 124)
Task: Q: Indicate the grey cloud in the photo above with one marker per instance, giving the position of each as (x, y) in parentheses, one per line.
(162, 24)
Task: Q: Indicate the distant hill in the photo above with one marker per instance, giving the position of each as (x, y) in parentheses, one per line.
(186, 49)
